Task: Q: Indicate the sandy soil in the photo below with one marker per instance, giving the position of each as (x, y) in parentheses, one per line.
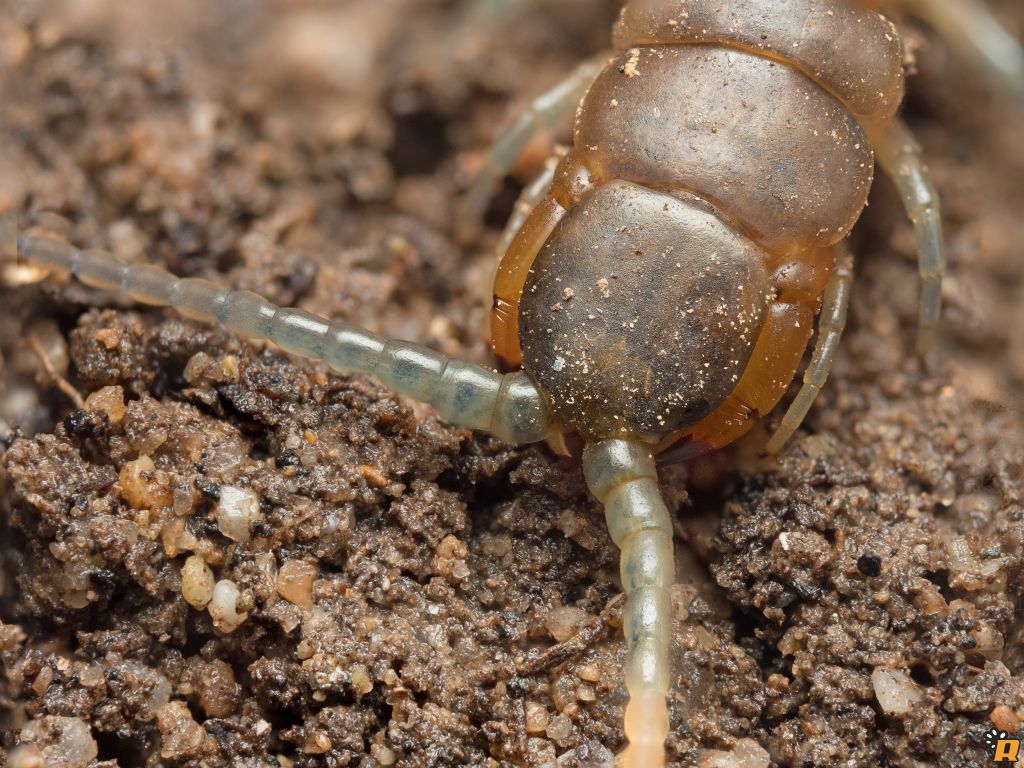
(417, 595)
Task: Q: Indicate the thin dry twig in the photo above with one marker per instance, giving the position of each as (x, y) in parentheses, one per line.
(62, 384)
(588, 633)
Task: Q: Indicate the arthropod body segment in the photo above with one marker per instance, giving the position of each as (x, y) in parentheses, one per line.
(660, 284)
(717, 157)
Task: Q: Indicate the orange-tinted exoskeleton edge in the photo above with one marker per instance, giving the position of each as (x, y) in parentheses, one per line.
(665, 285)
(660, 283)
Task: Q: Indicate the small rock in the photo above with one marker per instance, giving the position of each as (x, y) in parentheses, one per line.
(143, 487)
(237, 509)
(536, 718)
(182, 736)
(361, 681)
(895, 691)
(384, 755)
(564, 622)
(295, 582)
(176, 538)
(223, 607)
(1004, 718)
(746, 753)
(109, 400)
(589, 672)
(63, 742)
(559, 728)
(197, 582)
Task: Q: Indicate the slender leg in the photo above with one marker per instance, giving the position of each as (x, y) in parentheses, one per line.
(544, 111)
(531, 195)
(830, 329)
(978, 36)
(900, 157)
(509, 407)
(622, 476)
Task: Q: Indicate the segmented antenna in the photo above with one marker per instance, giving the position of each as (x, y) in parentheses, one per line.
(508, 406)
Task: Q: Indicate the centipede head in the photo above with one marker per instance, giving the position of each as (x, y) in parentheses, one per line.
(640, 313)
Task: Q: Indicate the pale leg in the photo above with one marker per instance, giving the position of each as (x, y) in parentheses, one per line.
(978, 36)
(900, 157)
(543, 112)
(831, 322)
(622, 476)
